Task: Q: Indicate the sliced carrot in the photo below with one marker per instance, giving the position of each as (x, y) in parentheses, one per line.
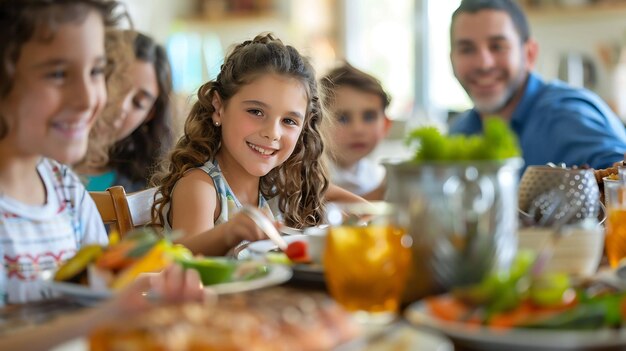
(509, 319)
(448, 308)
(526, 313)
(116, 257)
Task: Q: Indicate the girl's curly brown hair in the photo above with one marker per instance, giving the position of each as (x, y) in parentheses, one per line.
(301, 181)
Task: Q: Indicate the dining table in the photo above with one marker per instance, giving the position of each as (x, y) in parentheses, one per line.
(401, 334)
(397, 336)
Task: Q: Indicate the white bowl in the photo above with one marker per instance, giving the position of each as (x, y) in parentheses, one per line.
(578, 252)
(317, 242)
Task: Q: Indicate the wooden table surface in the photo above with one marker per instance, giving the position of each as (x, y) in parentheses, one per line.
(397, 336)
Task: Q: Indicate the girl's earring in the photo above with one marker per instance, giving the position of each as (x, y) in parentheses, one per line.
(217, 124)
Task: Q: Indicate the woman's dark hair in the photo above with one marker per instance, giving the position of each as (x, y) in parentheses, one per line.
(135, 157)
(20, 20)
(509, 6)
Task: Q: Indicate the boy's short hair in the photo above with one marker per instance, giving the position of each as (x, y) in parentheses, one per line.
(348, 75)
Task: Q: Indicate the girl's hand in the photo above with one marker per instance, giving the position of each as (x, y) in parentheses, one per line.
(241, 227)
(169, 286)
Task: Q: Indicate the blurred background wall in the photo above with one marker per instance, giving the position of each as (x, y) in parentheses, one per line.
(405, 43)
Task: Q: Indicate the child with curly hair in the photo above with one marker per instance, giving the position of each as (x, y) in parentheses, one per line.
(254, 137)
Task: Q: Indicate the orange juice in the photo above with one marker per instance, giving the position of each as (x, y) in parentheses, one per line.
(615, 240)
(366, 266)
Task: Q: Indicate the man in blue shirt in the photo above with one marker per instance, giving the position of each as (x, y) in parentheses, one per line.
(492, 56)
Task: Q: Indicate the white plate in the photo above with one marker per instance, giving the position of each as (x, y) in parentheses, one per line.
(313, 273)
(258, 249)
(81, 293)
(398, 337)
(79, 344)
(277, 274)
(483, 338)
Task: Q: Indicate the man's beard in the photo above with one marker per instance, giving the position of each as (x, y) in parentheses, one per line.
(494, 106)
(497, 104)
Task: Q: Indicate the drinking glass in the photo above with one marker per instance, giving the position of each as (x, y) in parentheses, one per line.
(366, 259)
(615, 239)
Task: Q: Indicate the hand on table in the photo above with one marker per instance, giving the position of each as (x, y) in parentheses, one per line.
(173, 285)
(170, 286)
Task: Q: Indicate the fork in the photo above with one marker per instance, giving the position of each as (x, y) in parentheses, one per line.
(265, 225)
(287, 230)
(290, 230)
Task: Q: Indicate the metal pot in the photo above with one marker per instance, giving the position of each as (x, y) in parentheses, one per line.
(462, 218)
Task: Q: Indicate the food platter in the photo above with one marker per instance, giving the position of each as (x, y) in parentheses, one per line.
(276, 274)
(516, 339)
(305, 273)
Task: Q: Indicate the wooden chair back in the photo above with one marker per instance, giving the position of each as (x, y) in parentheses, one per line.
(123, 212)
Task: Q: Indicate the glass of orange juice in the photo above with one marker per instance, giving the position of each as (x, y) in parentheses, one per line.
(366, 259)
(615, 239)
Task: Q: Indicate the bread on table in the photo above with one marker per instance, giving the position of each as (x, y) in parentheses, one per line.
(274, 319)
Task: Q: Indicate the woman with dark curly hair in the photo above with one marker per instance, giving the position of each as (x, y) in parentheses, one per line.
(134, 132)
(254, 137)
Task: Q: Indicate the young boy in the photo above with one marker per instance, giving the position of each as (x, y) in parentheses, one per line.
(358, 102)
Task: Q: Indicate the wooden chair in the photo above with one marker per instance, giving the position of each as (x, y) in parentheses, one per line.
(124, 211)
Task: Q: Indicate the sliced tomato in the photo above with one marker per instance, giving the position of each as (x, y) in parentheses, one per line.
(298, 251)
